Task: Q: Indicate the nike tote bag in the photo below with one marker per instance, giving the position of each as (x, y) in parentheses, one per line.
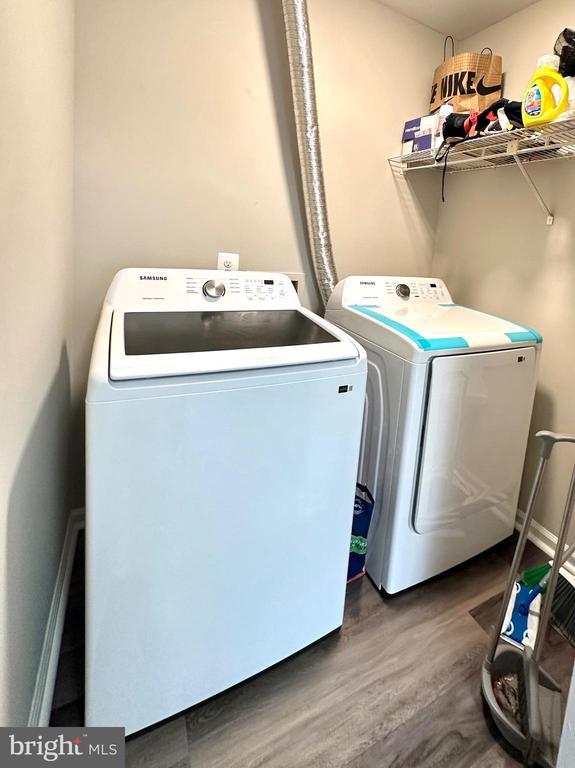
(470, 82)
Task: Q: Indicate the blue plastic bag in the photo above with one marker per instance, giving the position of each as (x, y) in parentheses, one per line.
(362, 512)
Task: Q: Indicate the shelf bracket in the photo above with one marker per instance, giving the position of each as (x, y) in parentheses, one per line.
(512, 149)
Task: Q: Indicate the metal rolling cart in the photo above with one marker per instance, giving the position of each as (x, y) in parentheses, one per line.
(536, 731)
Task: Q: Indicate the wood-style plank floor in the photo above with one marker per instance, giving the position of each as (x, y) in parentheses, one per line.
(397, 687)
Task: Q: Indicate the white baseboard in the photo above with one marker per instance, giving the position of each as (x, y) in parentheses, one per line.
(546, 541)
(46, 676)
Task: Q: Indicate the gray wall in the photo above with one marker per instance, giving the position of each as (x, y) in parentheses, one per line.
(185, 144)
(36, 142)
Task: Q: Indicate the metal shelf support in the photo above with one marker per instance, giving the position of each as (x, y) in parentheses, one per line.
(512, 149)
(523, 147)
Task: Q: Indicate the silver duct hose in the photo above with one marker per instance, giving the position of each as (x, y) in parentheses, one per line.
(303, 92)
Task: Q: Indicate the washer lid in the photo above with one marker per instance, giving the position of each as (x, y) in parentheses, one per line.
(148, 344)
(427, 327)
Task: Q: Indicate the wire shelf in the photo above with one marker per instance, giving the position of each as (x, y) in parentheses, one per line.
(553, 141)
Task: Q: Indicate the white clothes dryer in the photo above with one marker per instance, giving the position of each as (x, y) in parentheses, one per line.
(449, 399)
(223, 426)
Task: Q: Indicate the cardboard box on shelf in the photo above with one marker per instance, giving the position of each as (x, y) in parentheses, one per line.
(424, 132)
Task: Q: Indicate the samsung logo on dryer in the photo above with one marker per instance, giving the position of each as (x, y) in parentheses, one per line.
(153, 277)
(367, 282)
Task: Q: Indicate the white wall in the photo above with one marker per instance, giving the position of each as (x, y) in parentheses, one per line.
(36, 137)
(497, 254)
(185, 143)
(378, 225)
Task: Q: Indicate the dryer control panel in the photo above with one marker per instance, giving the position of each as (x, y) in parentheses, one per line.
(201, 289)
(394, 291)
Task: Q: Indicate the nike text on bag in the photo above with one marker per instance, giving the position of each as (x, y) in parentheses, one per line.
(468, 81)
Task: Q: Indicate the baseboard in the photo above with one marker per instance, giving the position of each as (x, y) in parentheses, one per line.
(545, 540)
(46, 676)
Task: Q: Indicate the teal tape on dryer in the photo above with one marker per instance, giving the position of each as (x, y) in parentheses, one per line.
(527, 335)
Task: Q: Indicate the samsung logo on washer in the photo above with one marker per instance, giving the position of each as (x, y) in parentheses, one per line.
(367, 282)
(153, 277)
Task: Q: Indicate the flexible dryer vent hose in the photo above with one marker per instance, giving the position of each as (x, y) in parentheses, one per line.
(305, 108)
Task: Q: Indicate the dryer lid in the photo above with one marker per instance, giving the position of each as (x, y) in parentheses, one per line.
(414, 317)
(429, 327)
(146, 344)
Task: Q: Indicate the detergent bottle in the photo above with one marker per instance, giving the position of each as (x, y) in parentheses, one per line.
(547, 94)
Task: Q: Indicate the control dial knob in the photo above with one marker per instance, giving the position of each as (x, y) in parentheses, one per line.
(403, 291)
(214, 289)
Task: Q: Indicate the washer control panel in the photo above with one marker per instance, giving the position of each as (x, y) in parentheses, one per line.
(200, 289)
(253, 289)
(394, 291)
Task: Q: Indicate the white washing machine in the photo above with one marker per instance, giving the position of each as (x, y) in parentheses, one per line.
(449, 399)
(223, 432)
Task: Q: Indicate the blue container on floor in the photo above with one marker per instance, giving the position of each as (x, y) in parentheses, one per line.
(362, 512)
